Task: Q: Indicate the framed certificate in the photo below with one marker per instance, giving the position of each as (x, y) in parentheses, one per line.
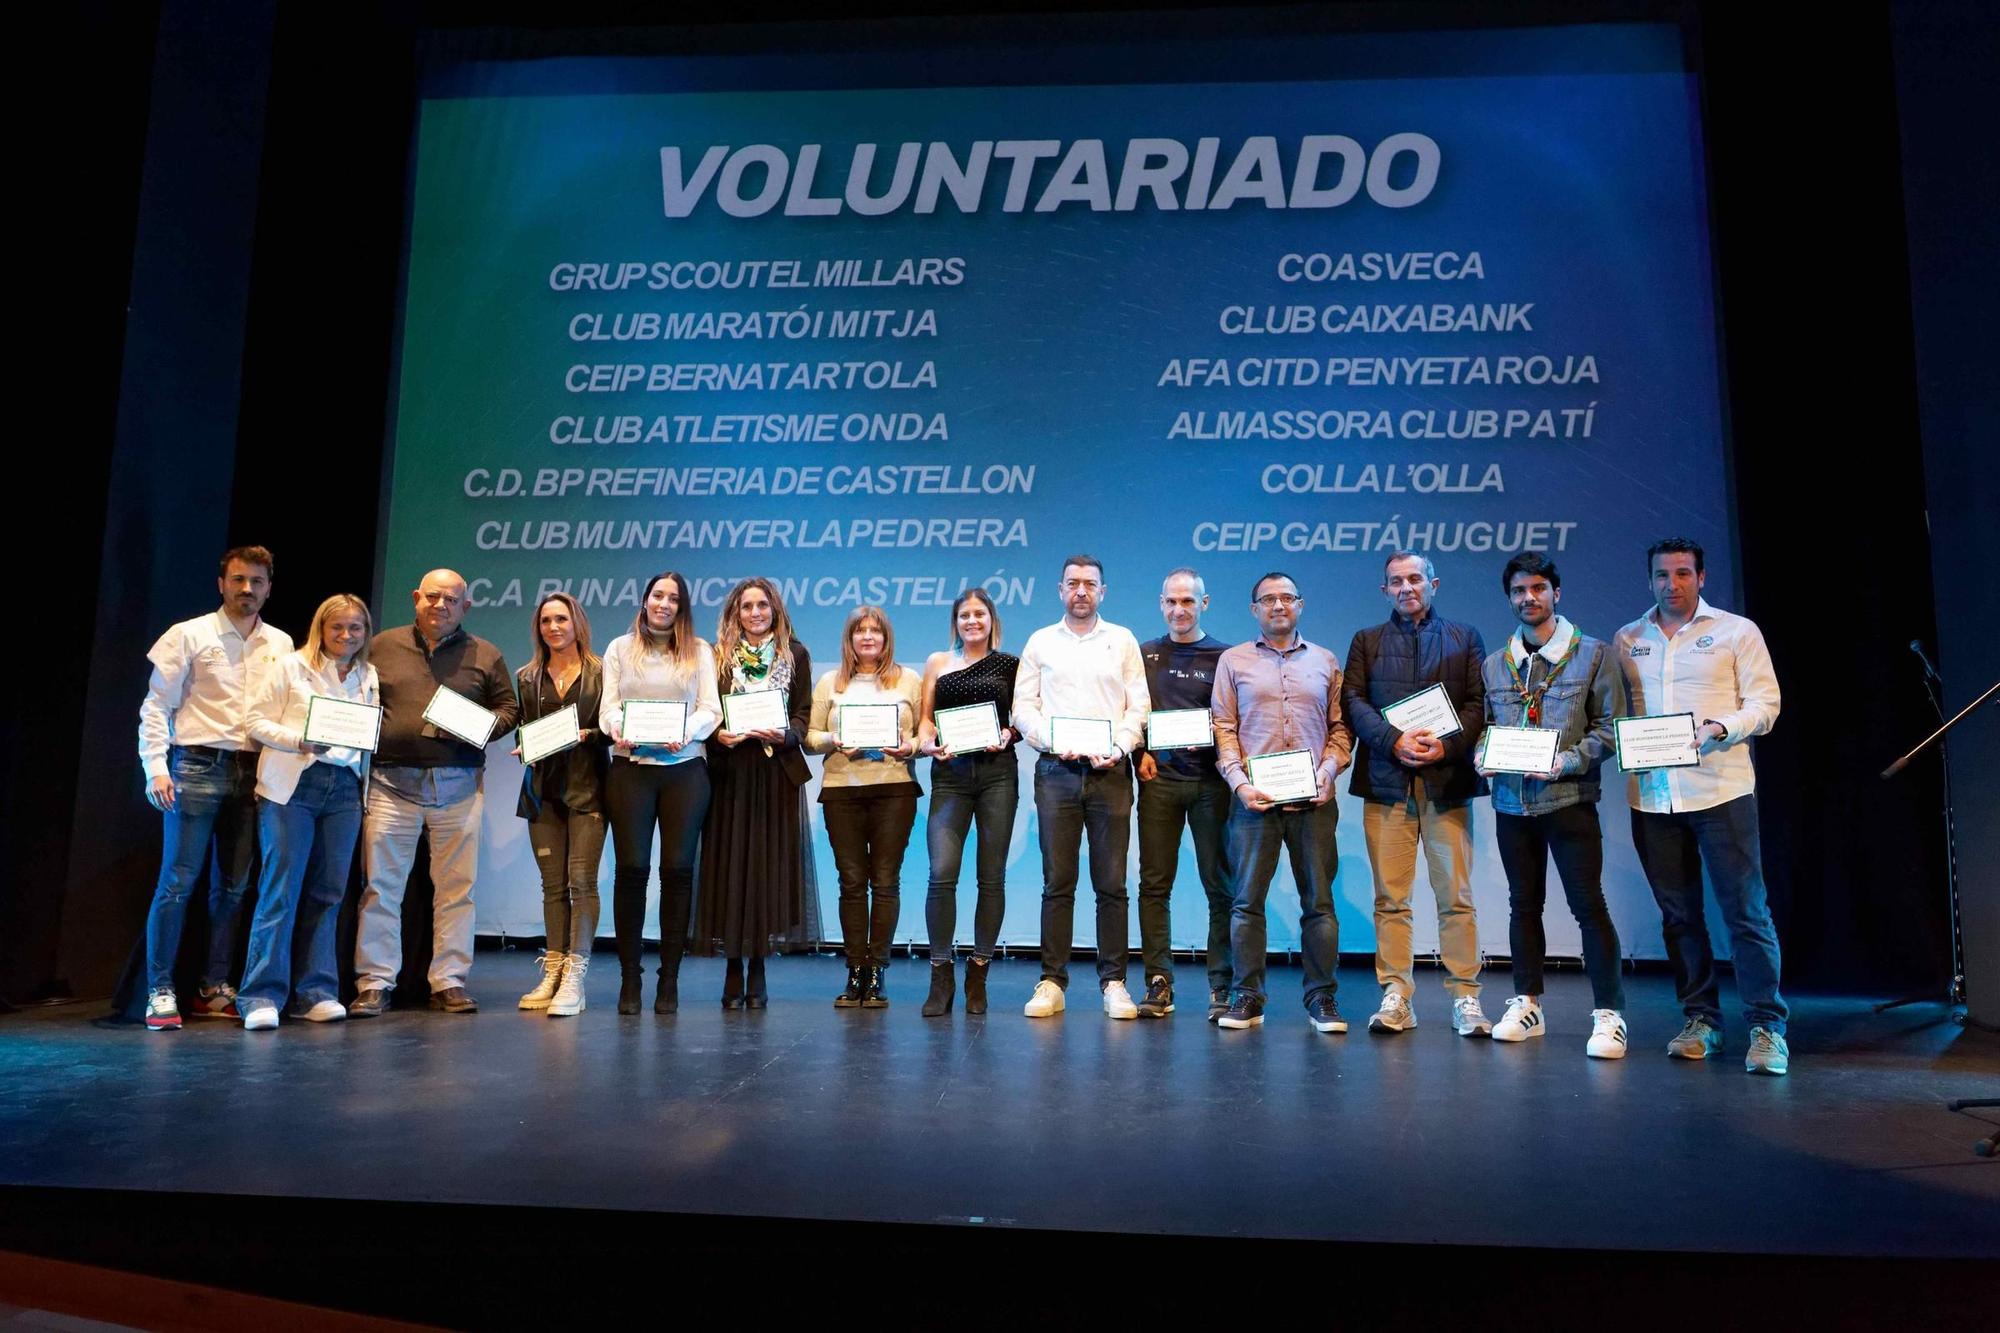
(1426, 710)
(1664, 740)
(451, 711)
(549, 735)
(1519, 749)
(1179, 729)
(1080, 735)
(1286, 776)
(331, 721)
(964, 730)
(869, 726)
(755, 710)
(653, 721)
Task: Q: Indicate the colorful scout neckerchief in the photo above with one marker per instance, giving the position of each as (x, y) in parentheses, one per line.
(1532, 696)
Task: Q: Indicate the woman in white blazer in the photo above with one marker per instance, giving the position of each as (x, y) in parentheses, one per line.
(309, 803)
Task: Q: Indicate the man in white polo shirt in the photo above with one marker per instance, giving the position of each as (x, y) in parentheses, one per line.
(1082, 667)
(1684, 656)
(201, 775)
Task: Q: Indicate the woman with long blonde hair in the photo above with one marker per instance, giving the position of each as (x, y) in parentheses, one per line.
(757, 893)
(869, 795)
(663, 787)
(562, 798)
(309, 802)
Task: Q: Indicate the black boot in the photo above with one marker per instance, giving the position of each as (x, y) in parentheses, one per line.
(628, 990)
(943, 986)
(975, 986)
(851, 997)
(755, 996)
(871, 988)
(732, 984)
(674, 911)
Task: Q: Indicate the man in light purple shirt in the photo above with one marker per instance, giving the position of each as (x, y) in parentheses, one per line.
(1274, 695)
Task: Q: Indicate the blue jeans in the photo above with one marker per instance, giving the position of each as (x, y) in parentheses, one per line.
(1307, 836)
(1070, 799)
(965, 789)
(214, 800)
(1673, 849)
(308, 845)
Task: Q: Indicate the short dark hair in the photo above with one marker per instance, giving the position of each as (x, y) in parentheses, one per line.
(1082, 559)
(1263, 579)
(246, 555)
(1676, 545)
(1530, 562)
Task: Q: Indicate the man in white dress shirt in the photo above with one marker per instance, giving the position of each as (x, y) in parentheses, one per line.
(1082, 667)
(1684, 656)
(201, 775)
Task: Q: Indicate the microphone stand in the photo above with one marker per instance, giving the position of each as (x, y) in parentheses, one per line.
(1954, 989)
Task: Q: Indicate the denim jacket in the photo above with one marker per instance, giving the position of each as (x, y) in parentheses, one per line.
(1580, 703)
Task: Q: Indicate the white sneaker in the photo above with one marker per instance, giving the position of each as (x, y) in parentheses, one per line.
(545, 990)
(1522, 1020)
(260, 1016)
(326, 1011)
(1047, 1001)
(568, 1000)
(1397, 1014)
(1607, 1035)
(1118, 1001)
(1468, 1019)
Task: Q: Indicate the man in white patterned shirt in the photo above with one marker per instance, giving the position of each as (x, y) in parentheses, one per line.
(1684, 656)
(201, 775)
(1082, 668)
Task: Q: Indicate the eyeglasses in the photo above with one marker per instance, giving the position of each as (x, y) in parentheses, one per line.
(1271, 601)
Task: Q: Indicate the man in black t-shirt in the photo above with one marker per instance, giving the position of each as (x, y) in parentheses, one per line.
(1180, 786)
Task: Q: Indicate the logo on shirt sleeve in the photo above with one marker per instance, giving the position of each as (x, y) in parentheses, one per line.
(1640, 650)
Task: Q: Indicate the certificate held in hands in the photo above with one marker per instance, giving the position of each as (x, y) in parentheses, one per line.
(1286, 776)
(451, 711)
(1426, 710)
(869, 726)
(1519, 749)
(653, 721)
(1662, 741)
(1080, 735)
(1179, 729)
(966, 730)
(342, 722)
(755, 710)
(550, 735)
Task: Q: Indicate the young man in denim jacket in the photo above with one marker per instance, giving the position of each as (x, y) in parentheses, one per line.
(1552, 676)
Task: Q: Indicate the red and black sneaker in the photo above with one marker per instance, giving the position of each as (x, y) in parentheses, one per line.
(214, 1002)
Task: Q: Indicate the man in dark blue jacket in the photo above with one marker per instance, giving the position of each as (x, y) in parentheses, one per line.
(1418, 785)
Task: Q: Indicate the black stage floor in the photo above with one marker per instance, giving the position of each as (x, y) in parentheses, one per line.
(1165, 1128)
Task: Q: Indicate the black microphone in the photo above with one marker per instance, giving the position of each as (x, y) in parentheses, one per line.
(1917, 647)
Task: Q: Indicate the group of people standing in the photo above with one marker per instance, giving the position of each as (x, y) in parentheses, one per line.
(222, 741)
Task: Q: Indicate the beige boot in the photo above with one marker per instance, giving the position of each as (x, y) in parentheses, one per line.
(568, 1000)
(552, 971)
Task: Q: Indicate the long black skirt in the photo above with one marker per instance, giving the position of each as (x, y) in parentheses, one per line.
(758, 893)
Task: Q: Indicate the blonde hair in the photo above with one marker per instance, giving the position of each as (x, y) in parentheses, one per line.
(576, 618)
(729, 633)
(316, 654)
(679, 642)
(887, 673)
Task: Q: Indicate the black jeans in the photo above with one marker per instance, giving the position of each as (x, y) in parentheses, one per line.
(976, 787)
(1307, 836)
(1572, 835)
(638, 797)
(1071, 798)
(568, 845)
(1165, 804)
(869, 834)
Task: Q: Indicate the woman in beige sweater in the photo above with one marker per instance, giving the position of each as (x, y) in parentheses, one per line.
(869, 790)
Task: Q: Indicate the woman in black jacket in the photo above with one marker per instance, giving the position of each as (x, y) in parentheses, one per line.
(562, 798)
